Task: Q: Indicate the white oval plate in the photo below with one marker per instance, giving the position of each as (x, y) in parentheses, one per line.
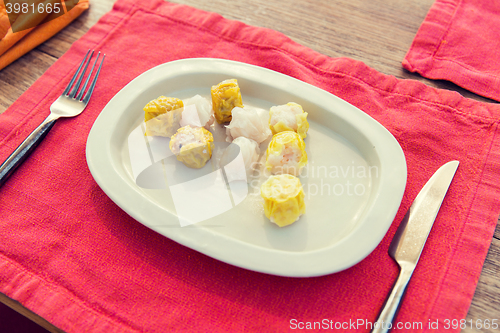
(354, 181)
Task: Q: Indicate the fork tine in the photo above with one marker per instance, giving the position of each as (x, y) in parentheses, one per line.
(66, 91)
(80, 94)
(92, 86)
(73, 92)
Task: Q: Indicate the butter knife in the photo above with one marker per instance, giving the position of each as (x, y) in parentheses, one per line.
(410, 239)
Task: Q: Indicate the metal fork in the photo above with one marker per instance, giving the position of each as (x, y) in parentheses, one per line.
(71, 103)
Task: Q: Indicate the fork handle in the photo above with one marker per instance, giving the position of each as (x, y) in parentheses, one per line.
(25, 148)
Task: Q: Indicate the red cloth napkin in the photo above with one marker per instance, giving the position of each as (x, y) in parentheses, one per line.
(459, 42)
(72, 256)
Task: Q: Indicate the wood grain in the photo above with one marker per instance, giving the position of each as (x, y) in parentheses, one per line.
(376, 32)
(486, 303)
(29, 314)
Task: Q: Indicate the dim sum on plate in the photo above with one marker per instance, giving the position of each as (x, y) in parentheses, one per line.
(192, 146)
(197, 112)
(249, 122)
(162, 116)
(225, 96)
(286, 153)
(240, 159)
(288, 117)
(283, 199)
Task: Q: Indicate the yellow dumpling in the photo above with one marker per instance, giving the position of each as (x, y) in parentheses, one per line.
(192, 145)
(225, 96)
(286, 153)
(283, 199)
(162, 116)
(288, 117)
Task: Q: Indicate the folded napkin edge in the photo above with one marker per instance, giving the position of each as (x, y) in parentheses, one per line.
(32, 290)
(481, 208)
(422, 56)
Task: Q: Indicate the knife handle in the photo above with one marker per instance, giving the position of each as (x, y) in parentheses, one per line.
(386, 317)
(25, 148)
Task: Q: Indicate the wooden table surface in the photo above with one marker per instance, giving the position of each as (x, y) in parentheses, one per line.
(376, 32)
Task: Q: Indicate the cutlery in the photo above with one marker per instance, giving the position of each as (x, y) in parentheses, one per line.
(71, 103)
(411, 236)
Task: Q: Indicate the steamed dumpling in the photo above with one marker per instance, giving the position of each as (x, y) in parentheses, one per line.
(249, 122)
(283, 199)
(225, 96)
(162, 116)
(197, 112)
(250, 152)
(286, 153)
(192, 146)
(288, 117)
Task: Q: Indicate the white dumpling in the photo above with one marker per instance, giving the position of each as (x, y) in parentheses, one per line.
(236, 167)
(287, 114)
(197, 112)
(251, 123)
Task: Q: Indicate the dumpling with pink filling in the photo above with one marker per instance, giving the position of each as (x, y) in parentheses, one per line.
(286, 154)
(192, 146)
(288, 117)
(249, 122)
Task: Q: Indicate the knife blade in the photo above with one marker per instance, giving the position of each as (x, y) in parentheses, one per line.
(411, 235)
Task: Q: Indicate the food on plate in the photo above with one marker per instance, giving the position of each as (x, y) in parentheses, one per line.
(283, 199)
(197, 112)
(237, 169)
(286, 153)
(225, 96)
(192, 145)
(288, 117)
(162, 116)
(249, 122)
